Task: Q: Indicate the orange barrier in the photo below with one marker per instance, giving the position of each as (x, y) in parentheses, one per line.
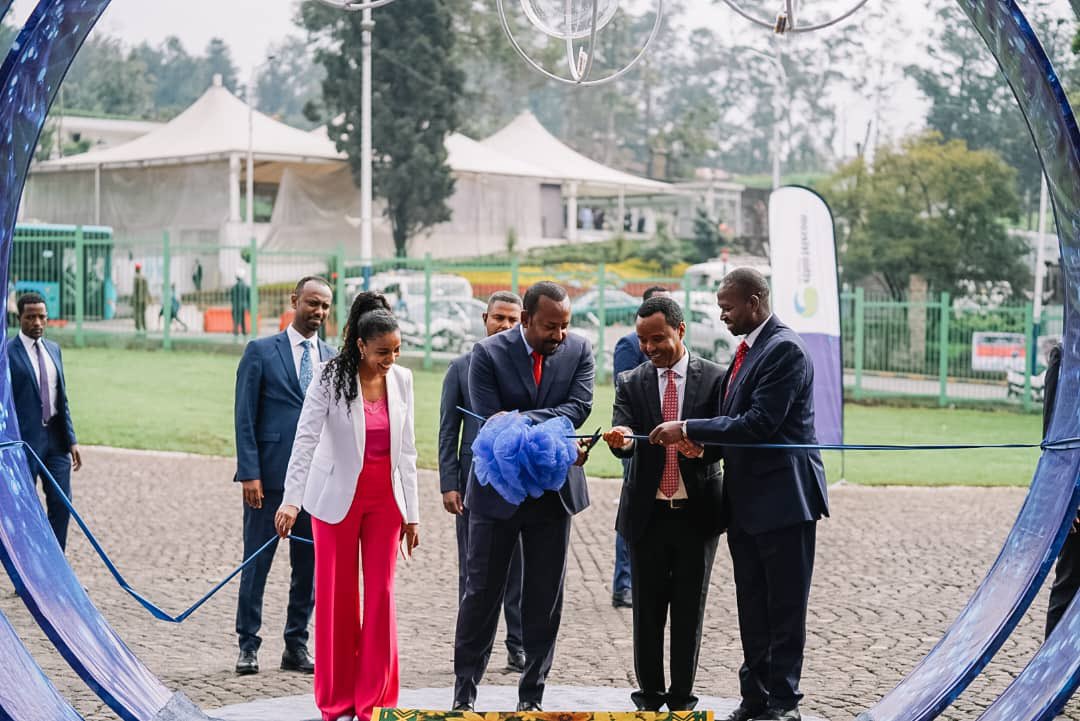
(219, 319)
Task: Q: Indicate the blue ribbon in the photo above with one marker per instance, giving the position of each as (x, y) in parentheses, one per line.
(154, 610)
(1064, 444)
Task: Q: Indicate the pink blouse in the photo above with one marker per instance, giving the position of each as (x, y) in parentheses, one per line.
(377, 430)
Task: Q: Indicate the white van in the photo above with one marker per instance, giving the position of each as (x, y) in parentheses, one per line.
(405, 289)
(705, 277)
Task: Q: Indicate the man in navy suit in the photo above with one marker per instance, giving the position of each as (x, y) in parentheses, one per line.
(539, 369)
(627, 357)
(456, 435)
(772, 498)
(41, 404)
(271, 381)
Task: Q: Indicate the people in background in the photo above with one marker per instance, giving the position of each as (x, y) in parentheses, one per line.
(271, 380)
(240, 300)
(40, 397)
(140, 296)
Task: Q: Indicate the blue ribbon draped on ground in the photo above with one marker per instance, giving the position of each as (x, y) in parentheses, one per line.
(154, 610)
(519, 459)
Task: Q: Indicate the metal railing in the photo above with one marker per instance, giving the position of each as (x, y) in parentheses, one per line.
(202, 295)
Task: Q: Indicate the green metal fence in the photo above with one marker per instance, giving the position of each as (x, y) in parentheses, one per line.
(208, 295)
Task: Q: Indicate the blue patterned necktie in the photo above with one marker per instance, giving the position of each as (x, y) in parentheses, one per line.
(305, 366)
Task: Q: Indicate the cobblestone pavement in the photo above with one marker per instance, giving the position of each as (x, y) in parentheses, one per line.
(894, 567)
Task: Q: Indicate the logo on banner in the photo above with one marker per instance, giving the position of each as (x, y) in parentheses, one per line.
(807, 301)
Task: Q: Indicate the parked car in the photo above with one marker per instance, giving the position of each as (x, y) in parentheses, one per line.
(709, 336)
(619, 307)
(456, 325)
(405, 289)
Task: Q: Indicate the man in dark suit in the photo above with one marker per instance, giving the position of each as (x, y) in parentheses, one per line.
(627, 357)
(670, 508)
(41, 405)
(271, 381)
(456, 434)
(1067, 570)
(772, 498)
(539, 369)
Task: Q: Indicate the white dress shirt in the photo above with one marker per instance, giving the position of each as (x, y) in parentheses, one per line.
(295, 339)
(680, 369)
(752, 336)
(50, 369)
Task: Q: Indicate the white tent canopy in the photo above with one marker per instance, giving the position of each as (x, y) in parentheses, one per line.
(215, 127)
(526, 140)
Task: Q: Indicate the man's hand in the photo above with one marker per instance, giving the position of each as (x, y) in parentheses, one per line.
(582, 453)
(1076, 525)
(284, 519)
(690, 449)
(617, 439)
(451, 501)
(76, 458)
(666, 434)
(253, 493)
(411, 534)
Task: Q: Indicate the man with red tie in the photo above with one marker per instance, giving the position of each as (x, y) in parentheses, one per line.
(41, 405)
(670, 509)
(773, 497)
(542, 371)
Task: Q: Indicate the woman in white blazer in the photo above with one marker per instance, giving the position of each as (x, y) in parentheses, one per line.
(353, 468)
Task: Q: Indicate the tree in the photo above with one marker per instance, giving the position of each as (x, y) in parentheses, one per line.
(706, 241)
(930, 207)
(416, 90)
(663, 250)
(969, 99)
(218, 61)
(103, 79)
(291, 82)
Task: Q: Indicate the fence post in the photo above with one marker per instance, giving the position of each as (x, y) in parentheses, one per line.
(860, 339)
(341, 312)
(427, 311)
(1029, 344)
(80, 285)
(166, 293)
(601, 314)
(253, 299)
(943, 350)
(687, 311)
(514, 265)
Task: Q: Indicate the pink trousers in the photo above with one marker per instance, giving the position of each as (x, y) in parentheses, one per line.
(356, 657)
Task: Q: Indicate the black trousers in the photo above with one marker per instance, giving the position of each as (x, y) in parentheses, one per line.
(57, 460)
(512, 597)
(670, 566)
(542, 527)
(1066, 581)
(258, 529)
(772, 586)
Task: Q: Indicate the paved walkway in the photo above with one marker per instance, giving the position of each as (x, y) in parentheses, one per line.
(895, 565)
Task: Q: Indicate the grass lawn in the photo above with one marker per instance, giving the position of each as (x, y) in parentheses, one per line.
(184, 402)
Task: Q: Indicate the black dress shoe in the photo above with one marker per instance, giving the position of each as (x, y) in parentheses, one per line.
(745, 713)
(297, 660)
(515, 660)
(247, 663)
(462, 707)
(622, 599)
(529, 707)
(780, 714)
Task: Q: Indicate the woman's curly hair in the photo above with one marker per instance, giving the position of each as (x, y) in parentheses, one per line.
(369, 317)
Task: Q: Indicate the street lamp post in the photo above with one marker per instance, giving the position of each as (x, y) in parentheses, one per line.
(367, 24)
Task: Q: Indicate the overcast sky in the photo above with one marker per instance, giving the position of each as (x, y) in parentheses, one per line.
(250, 26)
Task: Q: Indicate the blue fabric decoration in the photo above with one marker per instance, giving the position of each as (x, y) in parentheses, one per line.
(519, 459)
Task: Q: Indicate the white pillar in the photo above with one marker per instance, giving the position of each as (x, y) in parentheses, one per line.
(250, 165)
(97, 194)
(366, 249)
(571, 213)
(234, 188)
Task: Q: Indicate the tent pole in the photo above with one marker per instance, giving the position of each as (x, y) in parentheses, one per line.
(366, 249)
(97, 194)
(571, 213)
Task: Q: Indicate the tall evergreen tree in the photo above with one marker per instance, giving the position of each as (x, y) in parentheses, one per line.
(416, 90)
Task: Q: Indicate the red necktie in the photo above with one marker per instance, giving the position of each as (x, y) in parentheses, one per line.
(669, 408)
(538, 367)
(740, 356)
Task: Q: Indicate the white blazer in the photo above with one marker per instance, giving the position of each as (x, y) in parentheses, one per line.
(328, 451)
